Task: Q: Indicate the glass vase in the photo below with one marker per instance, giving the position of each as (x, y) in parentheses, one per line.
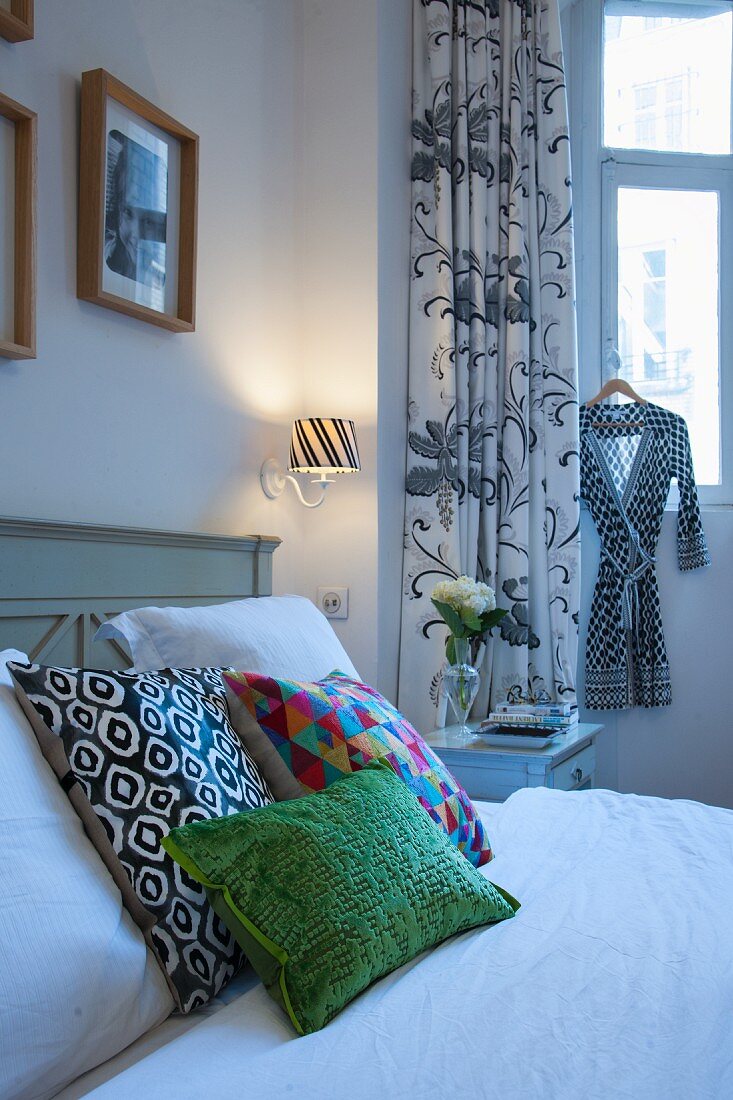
(460, 683)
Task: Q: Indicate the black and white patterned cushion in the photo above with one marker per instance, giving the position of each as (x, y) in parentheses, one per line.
(141, 754)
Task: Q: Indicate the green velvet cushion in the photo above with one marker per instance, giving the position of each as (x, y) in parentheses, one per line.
(329, 892)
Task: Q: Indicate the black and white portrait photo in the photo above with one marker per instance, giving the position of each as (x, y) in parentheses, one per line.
(137, 232)
(136, 215)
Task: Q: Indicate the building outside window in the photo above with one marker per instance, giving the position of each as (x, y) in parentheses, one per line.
(653, 176)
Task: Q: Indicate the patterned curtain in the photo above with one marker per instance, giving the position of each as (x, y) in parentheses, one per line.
(493, 480)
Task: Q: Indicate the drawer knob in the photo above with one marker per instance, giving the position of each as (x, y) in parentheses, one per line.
(578, 775)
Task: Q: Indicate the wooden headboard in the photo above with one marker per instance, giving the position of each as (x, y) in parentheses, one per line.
(60, 581)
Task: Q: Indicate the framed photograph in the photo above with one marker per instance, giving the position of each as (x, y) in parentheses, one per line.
(17, 231)
(16, 20)
(138, 180)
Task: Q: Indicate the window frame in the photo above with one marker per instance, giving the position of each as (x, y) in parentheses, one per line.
(598, 172)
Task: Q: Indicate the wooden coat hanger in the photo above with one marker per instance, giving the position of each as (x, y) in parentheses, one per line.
(617, 385)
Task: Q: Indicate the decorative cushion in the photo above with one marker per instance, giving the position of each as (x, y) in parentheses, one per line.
(136, 755)
(278, 635)
(329, 892)
(77, 983)
(328, 729)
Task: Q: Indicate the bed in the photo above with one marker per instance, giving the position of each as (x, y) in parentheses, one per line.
(60, 581)
(615, 978)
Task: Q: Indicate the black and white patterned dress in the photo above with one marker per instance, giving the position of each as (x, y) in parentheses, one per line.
(626, 462)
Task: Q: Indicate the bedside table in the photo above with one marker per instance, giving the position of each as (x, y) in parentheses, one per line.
(492, 774)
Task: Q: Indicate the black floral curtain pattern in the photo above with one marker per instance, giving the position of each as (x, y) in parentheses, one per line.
(493, 481)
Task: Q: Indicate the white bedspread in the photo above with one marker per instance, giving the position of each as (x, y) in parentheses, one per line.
(615, 979)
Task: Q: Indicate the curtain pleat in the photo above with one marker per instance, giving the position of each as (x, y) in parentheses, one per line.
(493, 482)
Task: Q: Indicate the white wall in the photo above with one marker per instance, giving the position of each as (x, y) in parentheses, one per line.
(117, 421)
(353, 259)
(337, 324)
(395, 99)
(685, 750)
(303, 113)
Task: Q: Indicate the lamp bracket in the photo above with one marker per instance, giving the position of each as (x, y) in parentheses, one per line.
(273, 481)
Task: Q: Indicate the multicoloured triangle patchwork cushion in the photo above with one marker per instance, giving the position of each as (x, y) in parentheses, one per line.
(325, 730)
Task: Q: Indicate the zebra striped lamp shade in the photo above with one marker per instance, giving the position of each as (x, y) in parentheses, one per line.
(323, 446)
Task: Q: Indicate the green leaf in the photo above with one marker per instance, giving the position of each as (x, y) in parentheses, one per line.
(490, 619)
(471, 620)
(450, 649)
(450, 617)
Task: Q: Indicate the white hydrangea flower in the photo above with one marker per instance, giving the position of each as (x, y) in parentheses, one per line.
(489, 596)
(466, 594)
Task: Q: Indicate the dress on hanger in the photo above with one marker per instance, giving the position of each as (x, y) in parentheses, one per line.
(626, 463)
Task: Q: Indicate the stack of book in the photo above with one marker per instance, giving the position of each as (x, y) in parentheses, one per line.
(531, 719)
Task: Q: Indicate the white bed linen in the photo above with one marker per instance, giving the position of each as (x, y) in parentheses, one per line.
(615, 979)
(172, 1028)
(281, 636)
(77, 983)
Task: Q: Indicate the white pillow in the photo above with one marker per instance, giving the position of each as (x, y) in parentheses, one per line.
(286, 637)
(77, 983)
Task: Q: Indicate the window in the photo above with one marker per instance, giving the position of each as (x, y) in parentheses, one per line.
(667, 80)
(668, 308)
(653, 175)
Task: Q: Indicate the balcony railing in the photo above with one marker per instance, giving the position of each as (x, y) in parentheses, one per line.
(665, 374)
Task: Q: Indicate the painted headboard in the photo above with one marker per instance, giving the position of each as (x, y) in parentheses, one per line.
(60, 581)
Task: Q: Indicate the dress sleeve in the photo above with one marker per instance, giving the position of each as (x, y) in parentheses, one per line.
(692, 549)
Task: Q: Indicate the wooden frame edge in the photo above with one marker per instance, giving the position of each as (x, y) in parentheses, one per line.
(97, 85)
(16, 25)
(90, 226)
(23, 343)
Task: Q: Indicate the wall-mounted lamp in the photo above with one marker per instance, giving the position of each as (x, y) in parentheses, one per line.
(317, 446)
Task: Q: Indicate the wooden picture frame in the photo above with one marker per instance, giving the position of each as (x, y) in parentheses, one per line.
(16, 25)
(21, 343)
(160, 157)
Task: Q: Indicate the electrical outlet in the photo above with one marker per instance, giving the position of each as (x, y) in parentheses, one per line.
(334, 602)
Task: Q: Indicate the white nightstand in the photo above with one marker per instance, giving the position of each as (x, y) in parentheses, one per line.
(492, 774)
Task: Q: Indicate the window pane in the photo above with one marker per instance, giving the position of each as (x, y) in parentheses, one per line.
(667, 81)
(668, 309)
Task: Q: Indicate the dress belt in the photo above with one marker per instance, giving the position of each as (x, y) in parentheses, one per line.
(631, 574)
